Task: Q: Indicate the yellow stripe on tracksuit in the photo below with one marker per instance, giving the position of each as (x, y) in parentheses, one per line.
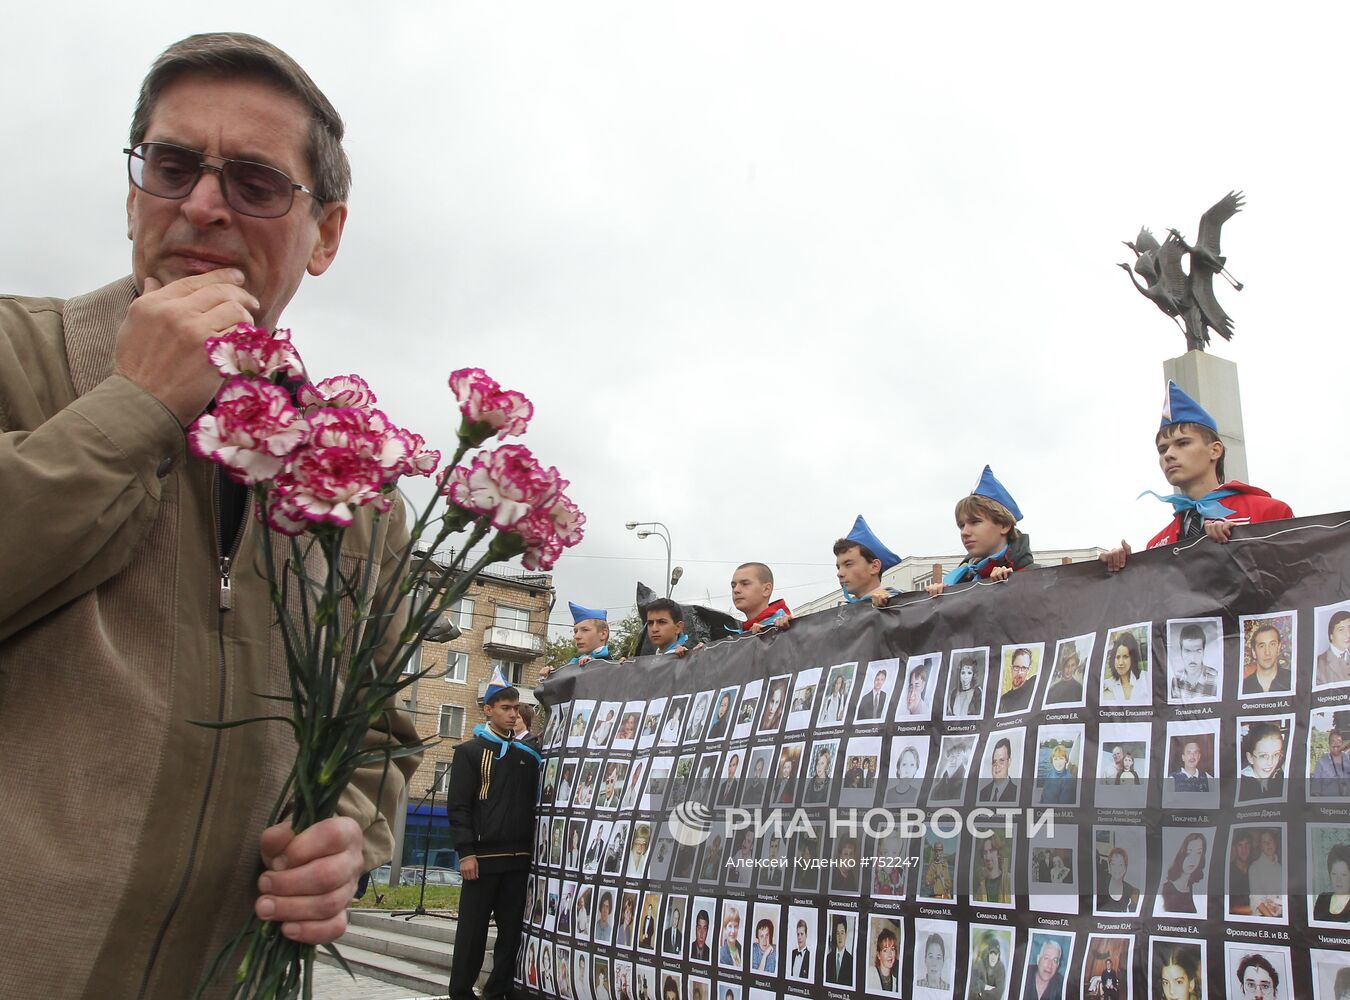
(484, 775)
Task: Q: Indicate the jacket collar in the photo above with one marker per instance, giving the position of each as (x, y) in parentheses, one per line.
(91, 323)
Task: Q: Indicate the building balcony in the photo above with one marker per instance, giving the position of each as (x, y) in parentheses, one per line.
(512, 644)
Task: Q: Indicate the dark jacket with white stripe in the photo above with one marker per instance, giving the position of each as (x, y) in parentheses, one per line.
(491, 804)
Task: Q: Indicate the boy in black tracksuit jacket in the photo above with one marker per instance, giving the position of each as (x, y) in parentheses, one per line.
(494, 781)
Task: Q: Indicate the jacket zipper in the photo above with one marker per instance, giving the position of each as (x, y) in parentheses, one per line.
(225, 602)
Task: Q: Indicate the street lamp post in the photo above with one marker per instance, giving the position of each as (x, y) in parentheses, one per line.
(664, 534)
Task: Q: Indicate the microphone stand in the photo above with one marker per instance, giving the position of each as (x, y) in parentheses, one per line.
(420, 910)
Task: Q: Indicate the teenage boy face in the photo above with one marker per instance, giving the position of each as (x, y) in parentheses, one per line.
(857, 575)
(980, 536)
(662, 630)
(749, 593)
(590, 635)
(1185, 458)
(503, 714)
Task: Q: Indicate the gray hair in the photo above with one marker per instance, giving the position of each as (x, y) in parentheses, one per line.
(234, 54)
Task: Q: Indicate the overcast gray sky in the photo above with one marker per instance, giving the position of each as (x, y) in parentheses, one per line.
(764, 266)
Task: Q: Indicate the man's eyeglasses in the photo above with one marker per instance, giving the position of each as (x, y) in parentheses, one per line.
(255, 189)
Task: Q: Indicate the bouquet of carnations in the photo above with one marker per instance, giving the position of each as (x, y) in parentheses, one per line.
(313, 455)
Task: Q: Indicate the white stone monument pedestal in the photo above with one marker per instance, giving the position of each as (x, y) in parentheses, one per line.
(1213, 383)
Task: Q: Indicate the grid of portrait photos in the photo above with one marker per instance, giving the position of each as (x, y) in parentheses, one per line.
(1197, 768)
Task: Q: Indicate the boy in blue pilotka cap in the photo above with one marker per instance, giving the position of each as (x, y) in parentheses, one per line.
(590, 630)
(752, 593)
(1191, 457)
(860, 558)
(995, 548)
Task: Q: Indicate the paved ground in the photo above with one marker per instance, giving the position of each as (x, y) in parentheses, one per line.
(331, 983)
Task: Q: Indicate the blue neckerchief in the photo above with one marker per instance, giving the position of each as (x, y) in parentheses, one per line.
(485, 731)
(684, 637)
(780, 613)
(858, 600)
(1207, 506)
(600, 654)
(968, 571)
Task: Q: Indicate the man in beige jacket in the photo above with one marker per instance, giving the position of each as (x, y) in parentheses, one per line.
(132, 599)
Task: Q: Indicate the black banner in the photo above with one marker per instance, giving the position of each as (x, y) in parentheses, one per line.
(1070, 785)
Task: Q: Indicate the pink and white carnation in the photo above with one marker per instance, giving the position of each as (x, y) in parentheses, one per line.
(487, 408)
(542, 544)
(251, 431)
(338, 471)
(507, 485)
(340, 390)
(255, 351)
(568, 520)
(420, 460)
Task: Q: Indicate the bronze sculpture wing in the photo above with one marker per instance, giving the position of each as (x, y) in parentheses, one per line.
(1212, 221)
(1145, 241)
(1202, 288)
(1173, 277)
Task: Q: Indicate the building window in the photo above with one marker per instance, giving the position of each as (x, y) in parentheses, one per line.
(414, 663)
(442, 775)
(516, 618)
(513, 672)
(921, 581)
(452, 722)
(461, 613)
(456, 667)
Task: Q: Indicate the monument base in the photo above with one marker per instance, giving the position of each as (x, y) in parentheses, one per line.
(1213, 383)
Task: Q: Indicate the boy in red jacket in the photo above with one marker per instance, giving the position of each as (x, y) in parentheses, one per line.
(752, 594)
(1191, 457)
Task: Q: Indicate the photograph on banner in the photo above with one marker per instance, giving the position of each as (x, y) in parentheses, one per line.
(877, 685)
(623, 980)
(804, 689)
(888, 875)
(1058, 765)
(761, 994)
(672, 984)
(1257, 970)
(1329, 754)
(601, 980)
(989, 953)
(775, 705)
(645, 979)
(838, 964)
(1269, 651)
(1049, 956)
(554, 899)
(567, 781)
(548, 785)
(719, 726)
(786, 775)
(838, 692)
(651, 723)
(612, 786)
(915, 702)
(822, 762)
(712, 867)
(846, 875)
(698, 988)
(606, 722)
(580, 722)
(1184, 885)
(649, 923)
(563, 955)
(1331, 646)
(1177, 969)
(567, 906)
(556, 719)
(581, 918)
(939, 858)
(698, 718)
(581, 976)
(702, 912)
(1119, 865)
(728, 991)
(1108, 965)
(757, 781)
(557, 839)
(862, 763)
(535, 912)
(1194, 660)
(673, 727)
(1123, 764)
(1000, 775)
(1019, 676)
(934, 959)
(587, 783)
(625, 934)
(616, 853)
(576, 842)
(1127, 669)
(682, 780)
(773, 848)
(1263, 758)
(730, 949)
(1330, 974)
(992, 863)
(1192, 765)
(637, 778)
(603, 932)
(1258, 873)
(764, 947)
(885, 941)
(672, 926)
(663, 854)
(729, 783)
(742, 853)
(745, 714)
(807, 846)
(529, 970)
(968, 686)
(908, 765)
(1052, 870)
(1067, 687)
(1328, 875)
(953, 768)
